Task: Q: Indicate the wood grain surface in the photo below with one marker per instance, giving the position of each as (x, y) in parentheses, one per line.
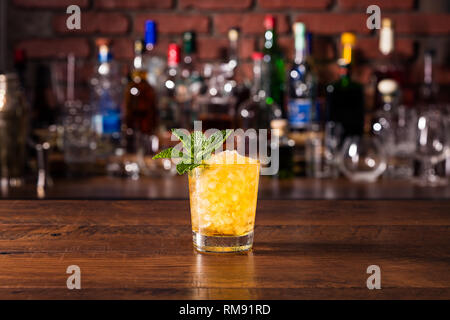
(303, 250)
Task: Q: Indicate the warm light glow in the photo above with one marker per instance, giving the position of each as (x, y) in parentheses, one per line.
(347, 53)
(348, 40)
(422, 123)
(170, 84)
(233, 35)
(137, 62)
(213, 91)
(376, 127)
(103, 69)
(2, 91)
(370, 162)
(228, 87)
(134, 91)
(103, 50)
(2, 101)
(352, 150)
(294, 74)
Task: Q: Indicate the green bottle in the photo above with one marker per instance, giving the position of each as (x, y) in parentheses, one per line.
(273, 70)
(345, 97)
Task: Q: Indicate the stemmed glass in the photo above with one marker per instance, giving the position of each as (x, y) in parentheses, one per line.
(432, 146)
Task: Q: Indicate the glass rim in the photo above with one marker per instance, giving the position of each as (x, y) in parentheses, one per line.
(229, 164)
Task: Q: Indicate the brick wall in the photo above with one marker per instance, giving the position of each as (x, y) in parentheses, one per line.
(39, 27)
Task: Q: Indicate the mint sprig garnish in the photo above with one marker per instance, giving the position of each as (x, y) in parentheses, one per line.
(196, 148)
(168, 153)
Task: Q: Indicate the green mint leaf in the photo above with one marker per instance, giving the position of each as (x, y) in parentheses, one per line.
(182, 168)
(196, 148)
(214, 142)
(168, 154)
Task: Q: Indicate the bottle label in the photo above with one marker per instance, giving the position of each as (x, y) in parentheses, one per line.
(106, 123)
(111, 123)
(299, 112)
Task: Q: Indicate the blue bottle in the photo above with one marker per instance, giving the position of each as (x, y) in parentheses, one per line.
(106, 98)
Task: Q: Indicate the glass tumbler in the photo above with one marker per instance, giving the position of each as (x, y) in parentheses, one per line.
(79, 136)
(223, 205)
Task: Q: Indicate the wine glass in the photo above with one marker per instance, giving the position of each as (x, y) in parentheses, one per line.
(362, 159)
(332, 141)
(431, 146)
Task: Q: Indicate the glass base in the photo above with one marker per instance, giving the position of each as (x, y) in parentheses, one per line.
(222, 244)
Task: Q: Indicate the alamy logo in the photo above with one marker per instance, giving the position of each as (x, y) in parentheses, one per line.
(374, 20)
(374, 281)
(74, 280)
(73, 22)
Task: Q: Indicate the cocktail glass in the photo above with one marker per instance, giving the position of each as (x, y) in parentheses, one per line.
(223, 204)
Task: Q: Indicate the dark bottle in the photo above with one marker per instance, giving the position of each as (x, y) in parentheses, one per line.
(13, 130)
(216, 107)
(191, 83)
(152, 62)
(45, 109)
(141, 114)
(256, 113)
(274, 69)
(189, 70)
(20, 65)
(345, 97)
(302, 84)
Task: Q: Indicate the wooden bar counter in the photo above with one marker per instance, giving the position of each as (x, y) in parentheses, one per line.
(304, 249)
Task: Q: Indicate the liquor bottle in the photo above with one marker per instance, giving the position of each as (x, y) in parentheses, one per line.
(233, 50)
(389, 66)
(189, 70)
(216, 106)
(285, 148)
(241, 90)
(428, 90)
(141, 113)
(107, 91)
(152, 62)
(256, 113)
(191, 82)
(396, 127)
(45, 110)
(20, 66)
(345, 97)
(302, 84)
(170, 113)
(274, 70)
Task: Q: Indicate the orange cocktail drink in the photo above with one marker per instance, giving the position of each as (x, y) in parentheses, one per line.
(223, 195)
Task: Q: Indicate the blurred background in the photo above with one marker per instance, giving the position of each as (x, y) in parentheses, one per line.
(358, 113)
